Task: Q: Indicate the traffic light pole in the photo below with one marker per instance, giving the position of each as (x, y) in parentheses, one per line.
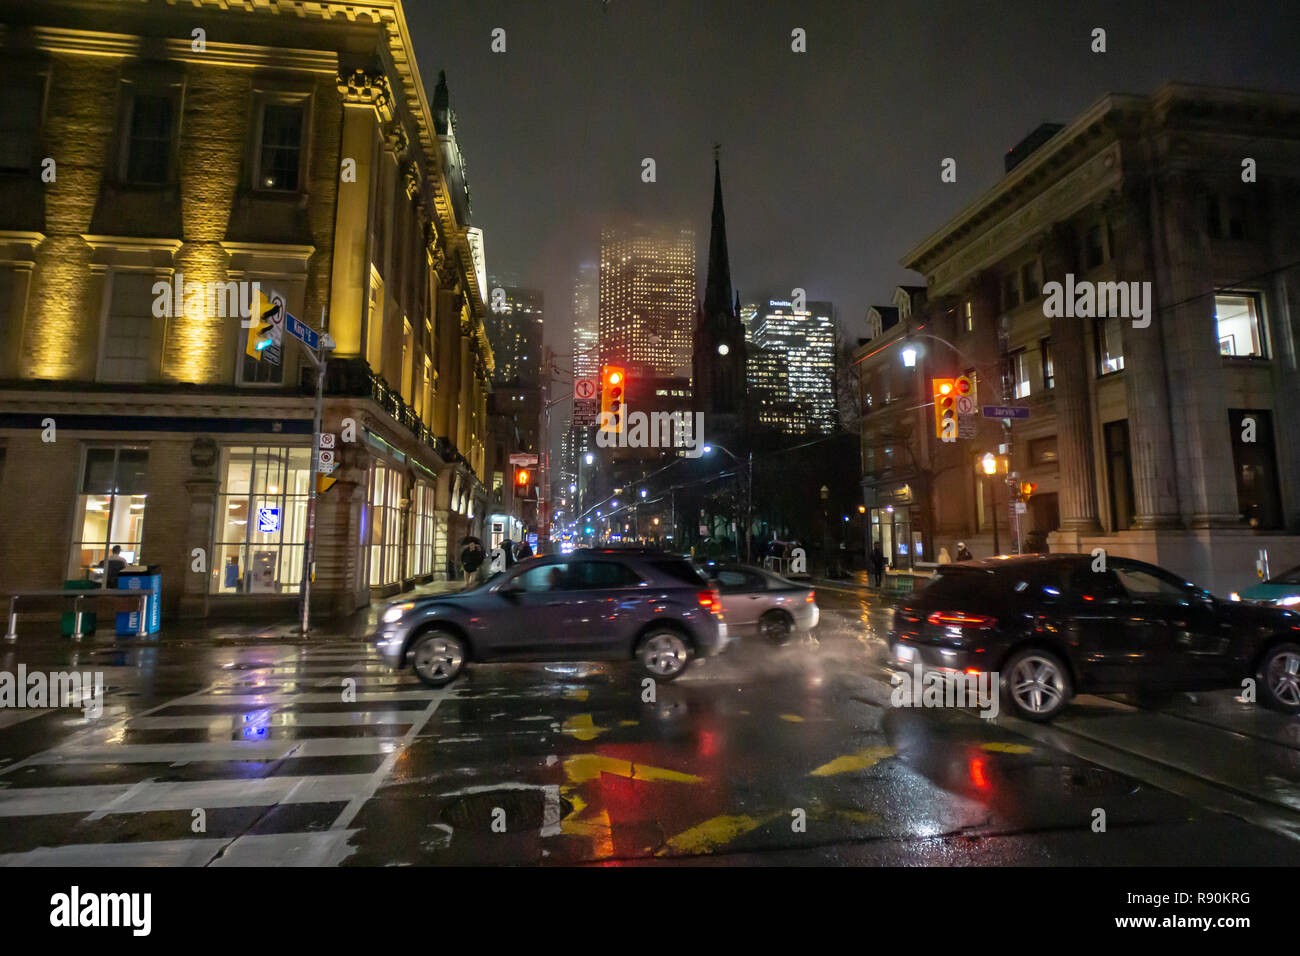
(309, 541)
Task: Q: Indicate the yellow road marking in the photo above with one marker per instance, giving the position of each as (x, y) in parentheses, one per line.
(793, 718)
(704, 837)
(583, 767)
(856, 761)
(582, 727)
(1007, 748)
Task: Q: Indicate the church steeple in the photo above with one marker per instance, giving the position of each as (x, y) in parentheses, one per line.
(718, 362)
(717, 291)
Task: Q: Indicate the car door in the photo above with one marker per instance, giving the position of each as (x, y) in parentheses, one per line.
(521, 615)
(739, 589)
(1189, 643)
(1113, 651)
(602, 605)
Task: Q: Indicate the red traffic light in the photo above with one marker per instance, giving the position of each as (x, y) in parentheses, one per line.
(522, 476)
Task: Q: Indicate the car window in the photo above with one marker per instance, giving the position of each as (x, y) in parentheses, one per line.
(545, 577)
(587, 575)
(680, 570)
(1142, 585)
(1291, 577)
(733, 580)
(952, 585)
(1092, 585)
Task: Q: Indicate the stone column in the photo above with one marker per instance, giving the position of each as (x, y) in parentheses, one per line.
(1151, 449)
(198, 534)
(1073, 364)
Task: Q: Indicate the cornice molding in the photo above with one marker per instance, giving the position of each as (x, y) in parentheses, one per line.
(133, 243)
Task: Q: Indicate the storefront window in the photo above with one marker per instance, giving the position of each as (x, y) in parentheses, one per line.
(419, 559)
(110, 508)
(385, 526)
(261, 521)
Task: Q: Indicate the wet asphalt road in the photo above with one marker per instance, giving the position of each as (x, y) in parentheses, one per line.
(240, 746)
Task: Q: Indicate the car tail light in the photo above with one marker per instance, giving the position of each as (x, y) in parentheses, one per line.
(710, 601)
(812, 596)
(961, 619)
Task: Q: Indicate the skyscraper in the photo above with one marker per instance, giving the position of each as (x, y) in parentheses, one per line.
(647, 298)
(586, 321)
(514, 329)
(806, 339)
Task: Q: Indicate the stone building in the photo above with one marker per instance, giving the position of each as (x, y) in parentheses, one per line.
(152, 145)
(1163, 428)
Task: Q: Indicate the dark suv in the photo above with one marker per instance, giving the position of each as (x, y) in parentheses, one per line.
(647, 606)
(1059, 624)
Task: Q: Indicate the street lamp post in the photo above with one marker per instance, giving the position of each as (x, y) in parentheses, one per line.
(749, 496)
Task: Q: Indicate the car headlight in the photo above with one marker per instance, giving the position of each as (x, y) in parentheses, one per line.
(1288, 601)
(394, 613)
(1234, 596)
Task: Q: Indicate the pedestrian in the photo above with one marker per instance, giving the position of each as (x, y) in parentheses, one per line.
(508, 552)
(877, 568)
(523, 551)
(944, 556)
(471, 558)
(963, 553)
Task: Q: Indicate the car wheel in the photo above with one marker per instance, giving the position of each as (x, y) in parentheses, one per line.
(1279, 678)
(776, 627)
(663, 654)
(1036, 684)
(437, 657)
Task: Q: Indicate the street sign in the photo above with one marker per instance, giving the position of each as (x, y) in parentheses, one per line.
(1005, 411)
(300, 331)
(523, 458)
(965, 427)
(1019, 507)
(327, 439)
(584, 412)
(585, 388)
(327, 461)
(966, 405)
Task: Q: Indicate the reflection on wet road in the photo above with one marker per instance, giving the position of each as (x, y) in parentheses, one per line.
(315, 754)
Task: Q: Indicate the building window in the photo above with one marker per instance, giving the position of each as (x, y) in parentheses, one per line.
(261, 523)
(1031, 281)
(1020, 373)
(149, 139)
(1239, 329)
(1049, 368)
(969, 316)
(1110, 347)
(110, 507)
(420, 540)
(1010, 291)
(1255, 464)
(1042, 451)
(385, 526)
(128, 329)
(1094, 252)
(20, 123)
(280, 148)
(1119, 469)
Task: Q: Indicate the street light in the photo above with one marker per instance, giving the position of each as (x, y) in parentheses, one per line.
(749, 497)
(909, 357)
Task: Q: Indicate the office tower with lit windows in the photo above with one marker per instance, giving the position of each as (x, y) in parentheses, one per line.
(647, 298)
(514, 329)
(586, 321)
(806, 340)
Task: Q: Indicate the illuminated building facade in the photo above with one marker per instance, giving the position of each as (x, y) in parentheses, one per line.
(294, 147)
(806, 339)
(647, 298)
(514, 330)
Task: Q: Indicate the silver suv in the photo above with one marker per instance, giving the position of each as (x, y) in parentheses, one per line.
(647, 606)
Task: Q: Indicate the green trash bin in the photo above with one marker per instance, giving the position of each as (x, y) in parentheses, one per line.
(70, 617)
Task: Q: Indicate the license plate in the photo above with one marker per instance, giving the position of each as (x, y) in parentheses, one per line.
(904, 654)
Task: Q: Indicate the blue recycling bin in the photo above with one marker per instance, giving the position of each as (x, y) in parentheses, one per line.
(128, 622)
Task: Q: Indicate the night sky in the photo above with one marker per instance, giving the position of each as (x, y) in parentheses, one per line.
(830, 158)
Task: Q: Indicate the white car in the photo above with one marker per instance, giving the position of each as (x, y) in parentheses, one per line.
(757, 602)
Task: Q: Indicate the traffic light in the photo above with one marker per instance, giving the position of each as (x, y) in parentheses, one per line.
(1027, 488)
(945, 409)
(261, 330)
(523, 482)
(613, 382)
(963, 386)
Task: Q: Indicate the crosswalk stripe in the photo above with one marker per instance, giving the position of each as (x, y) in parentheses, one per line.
(221, 723)
(216, 751)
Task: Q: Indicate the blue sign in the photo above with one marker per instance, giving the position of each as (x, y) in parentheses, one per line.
(268, 520)
(301, 331)
(1005, 411)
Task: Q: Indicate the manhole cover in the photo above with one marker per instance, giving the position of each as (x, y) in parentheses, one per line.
(525, 809)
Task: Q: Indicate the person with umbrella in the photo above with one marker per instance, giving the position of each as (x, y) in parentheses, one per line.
(471, 556)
